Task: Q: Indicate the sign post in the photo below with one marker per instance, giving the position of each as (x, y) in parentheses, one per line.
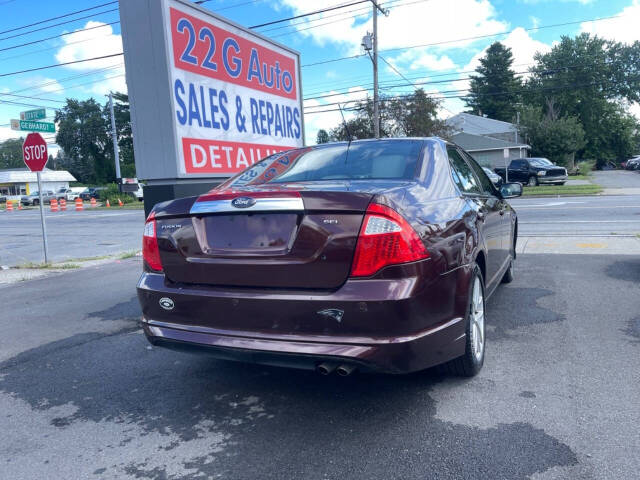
(34, 154)
(505, 153)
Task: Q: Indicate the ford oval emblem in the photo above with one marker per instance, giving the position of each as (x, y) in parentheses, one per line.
(166, 303)
(243, 202)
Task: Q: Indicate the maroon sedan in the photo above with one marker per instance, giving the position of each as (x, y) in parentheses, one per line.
(376, 255)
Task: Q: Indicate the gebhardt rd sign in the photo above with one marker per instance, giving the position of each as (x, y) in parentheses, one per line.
(236, 97)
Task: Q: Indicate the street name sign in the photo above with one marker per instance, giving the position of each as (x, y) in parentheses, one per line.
(34, 152)
(30, 126)
(36, 114)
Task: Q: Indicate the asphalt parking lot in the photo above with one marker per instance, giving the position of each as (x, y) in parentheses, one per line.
(71, 234)
(83, 395)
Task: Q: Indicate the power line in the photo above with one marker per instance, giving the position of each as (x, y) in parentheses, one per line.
(57, 36)
(57, 24)
(56, 18)
(477, 37)
(328, 9)
(60, 64)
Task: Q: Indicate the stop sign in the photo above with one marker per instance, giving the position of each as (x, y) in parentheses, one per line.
(34, 152)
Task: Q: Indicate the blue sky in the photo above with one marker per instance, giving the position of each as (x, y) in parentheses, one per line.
(332, 35)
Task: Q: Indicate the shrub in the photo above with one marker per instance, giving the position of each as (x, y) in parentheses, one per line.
(113, 193)
(585, 167)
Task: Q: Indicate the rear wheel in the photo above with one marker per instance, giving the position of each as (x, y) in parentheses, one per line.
(508, 275)
(533, 181)
(36, 202)
(471, 362)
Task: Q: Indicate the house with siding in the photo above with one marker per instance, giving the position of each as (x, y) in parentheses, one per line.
(487, 139)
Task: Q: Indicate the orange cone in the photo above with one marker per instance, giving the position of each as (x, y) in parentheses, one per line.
(9, 206)
(79, 205)
(108, 204)
(63, 205)
(120, 203)
(19, 206)
(93, 202)
(54, 205)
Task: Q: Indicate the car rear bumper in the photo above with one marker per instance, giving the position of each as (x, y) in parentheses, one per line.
(382, 333)
(391, 355)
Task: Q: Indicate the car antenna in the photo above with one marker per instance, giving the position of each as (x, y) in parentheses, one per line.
(346, 127)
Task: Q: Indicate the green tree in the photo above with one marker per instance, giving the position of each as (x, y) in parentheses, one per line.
(11, 153)
(591, 78)
(323, 137)
(557, 139)
(495, 90)
(82, 134)
(411, 115)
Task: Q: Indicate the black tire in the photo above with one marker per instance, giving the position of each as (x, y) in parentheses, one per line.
(468, 365)
(533, 181)
(36, 202)
(508, 275)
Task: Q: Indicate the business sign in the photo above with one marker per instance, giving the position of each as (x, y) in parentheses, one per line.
(29, 126)
(36, 114)
(233, 96)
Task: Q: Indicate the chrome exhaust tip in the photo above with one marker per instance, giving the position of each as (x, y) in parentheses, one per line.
(345, 370)
(325, 368)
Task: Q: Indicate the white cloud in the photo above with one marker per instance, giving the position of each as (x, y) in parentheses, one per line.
(426, 22)
(44, 84)
(84, 44)
(331, 119)
(6, 133)
(420, 59)
(623, 29)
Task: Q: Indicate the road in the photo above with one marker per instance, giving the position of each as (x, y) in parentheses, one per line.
(589, 215)
(82, 394)
(71, 234)
(617, 178)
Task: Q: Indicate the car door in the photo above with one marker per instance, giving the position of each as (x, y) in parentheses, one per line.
(519, 171)
(494, 197)
(487, 208)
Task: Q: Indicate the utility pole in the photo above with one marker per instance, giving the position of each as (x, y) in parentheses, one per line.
(114, 137)
(372, 44)
(376, 109)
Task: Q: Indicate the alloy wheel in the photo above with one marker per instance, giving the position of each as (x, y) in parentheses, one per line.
(477, 320)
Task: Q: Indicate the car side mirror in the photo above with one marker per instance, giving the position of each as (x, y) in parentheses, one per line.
(511, 190)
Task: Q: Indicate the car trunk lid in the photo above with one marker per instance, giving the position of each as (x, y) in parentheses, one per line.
(290, 236)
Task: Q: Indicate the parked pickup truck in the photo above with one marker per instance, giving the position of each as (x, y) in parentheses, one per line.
(534, 171)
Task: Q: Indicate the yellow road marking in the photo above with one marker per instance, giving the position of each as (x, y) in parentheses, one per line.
(591, 245)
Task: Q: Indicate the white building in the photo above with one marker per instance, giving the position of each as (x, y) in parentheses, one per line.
(15, 182)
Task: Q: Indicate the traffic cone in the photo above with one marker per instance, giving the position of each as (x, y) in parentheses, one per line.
(54, 205)
(108, 204)
(19, 206)
(9, 206)
(63, 205)
(93, 202)
(79, 205)
(120, 203)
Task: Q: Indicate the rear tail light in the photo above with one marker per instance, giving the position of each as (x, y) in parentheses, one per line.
(385, 239)
(150, 251)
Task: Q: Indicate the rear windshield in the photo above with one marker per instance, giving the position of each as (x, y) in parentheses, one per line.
(380, 160)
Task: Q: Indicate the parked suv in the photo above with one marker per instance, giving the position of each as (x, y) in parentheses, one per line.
(534, 171)
(34, 198)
